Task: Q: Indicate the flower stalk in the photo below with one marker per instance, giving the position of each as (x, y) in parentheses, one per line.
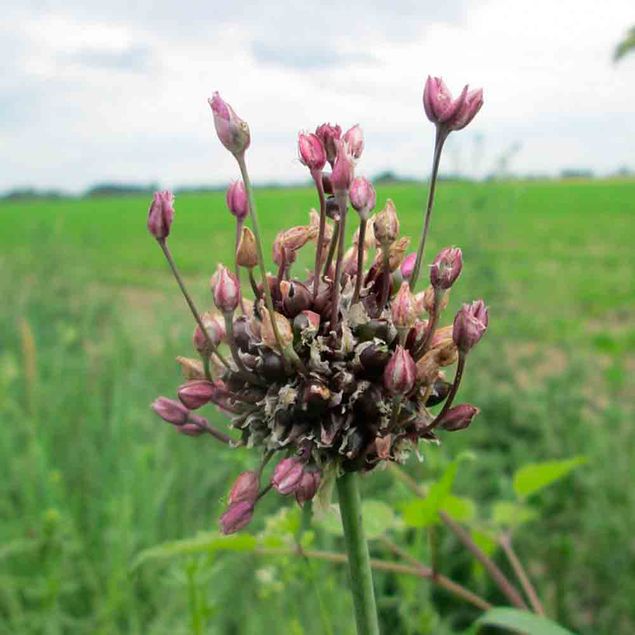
(358, 556)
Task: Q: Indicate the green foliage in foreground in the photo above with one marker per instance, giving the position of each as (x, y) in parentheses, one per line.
(89, 327)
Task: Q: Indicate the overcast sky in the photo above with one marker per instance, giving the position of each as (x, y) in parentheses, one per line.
(94, 91)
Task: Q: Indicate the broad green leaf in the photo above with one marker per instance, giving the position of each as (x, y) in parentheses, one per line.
(533, 477)
(208, 542)
(462, 509)
(519, 621)
(511, 515)
(423, 512)
(377, 516)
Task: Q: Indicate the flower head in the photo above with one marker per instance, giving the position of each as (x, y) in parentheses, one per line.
(329, 135)
(226, 290)
(362, 195)
(354, 138)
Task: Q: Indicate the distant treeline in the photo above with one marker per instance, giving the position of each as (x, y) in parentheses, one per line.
(103, 190)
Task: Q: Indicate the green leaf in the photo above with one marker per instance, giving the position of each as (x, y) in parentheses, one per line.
(423, 512)
(377, 516)
(208, 542)
(462, 509)
(516, 620)
(511, 515)
(533, 477)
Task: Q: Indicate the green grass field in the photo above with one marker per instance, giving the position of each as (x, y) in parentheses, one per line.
(89, 327)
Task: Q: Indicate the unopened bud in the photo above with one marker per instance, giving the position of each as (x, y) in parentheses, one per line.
(171, 411)
(362, 195)
(226, 290)
(287, 475)
(196, 393)
(329, 135)
(403, 307)
(247, 253)
(237, 201)
(232, 131)
(311, 151)
(343, 169)
(459, 417)
(400, 372)
(354, 137)
(386, 224)
(214, 327)
(446, 268)
(408, 265)
(236, 517)
(308, 486)
(161, 214)
(443, 110)
(245, 488)
(470, 325)
(284, 330)
(382, 447)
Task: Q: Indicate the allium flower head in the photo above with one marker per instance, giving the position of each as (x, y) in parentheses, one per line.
(335, 363)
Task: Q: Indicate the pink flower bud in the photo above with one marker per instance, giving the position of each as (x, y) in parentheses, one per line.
(236, 517)
(245, 488)
(354, 138)
(362, 195)
(196, 393)
(400, 372)
(343, 169)
(446, 268)
(161, 214)
(308, 487)
(226, 290)
(329, 134)
(467, 111)
(287, 475)
(404, 307)
(191, 430)
(232, 131)
(438, 102)
(408, 265)
(214, 326)
(171, 411)
(311, 151)
(237, 202)
(470, 324)
(459, 417)
(452, 114)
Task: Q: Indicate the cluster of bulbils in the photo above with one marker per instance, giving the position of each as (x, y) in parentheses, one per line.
(335, 370)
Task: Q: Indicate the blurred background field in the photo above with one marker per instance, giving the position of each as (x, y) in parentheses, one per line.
(89, 327)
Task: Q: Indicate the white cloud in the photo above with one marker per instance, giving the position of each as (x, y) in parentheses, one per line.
(90, 96)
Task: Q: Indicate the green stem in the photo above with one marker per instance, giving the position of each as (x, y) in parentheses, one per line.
(442, 135)
(261, 259)
(361, 576)
(360, 259)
